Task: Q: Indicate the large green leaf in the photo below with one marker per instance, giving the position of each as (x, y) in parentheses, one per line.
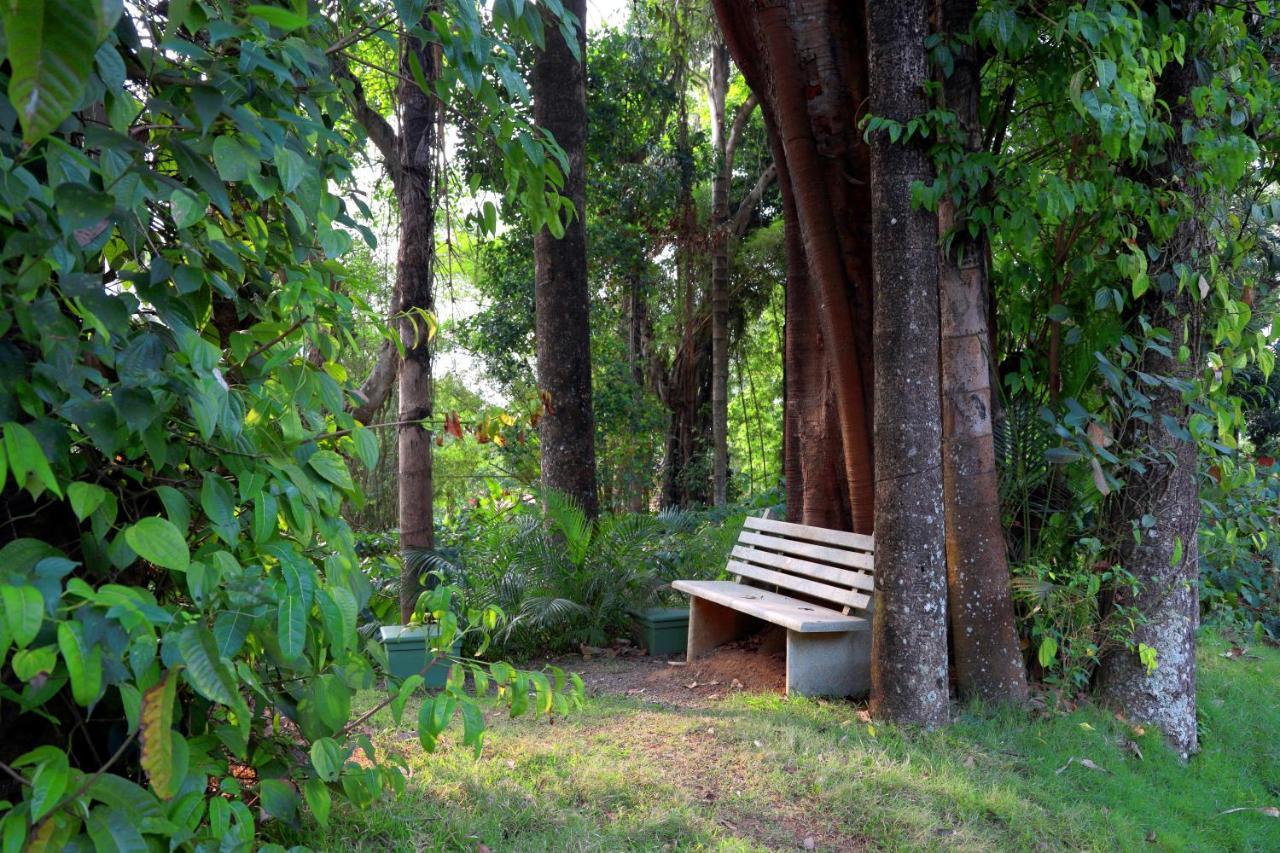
(51, 47)
(327, 758)
(158, 541)
(85, 667)
(218, 503)
(331, 466)
(23, 612)
(26, 456)
(205, 670)
(291, 628)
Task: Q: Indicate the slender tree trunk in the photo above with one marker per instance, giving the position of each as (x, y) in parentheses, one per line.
(415, 267)
(720, 277)
(1165, 558)
(806, 61)
(562, 301)
(909, 627)
(988, 660)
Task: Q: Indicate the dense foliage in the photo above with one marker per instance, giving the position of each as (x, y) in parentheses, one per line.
(181, 593)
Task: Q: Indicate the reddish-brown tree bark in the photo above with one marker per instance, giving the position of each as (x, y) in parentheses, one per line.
(806, 61)
(984, 639)
(562, 302)
(909, 626)
(415, 267)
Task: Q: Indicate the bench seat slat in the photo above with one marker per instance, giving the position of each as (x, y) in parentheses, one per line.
(790, 613)
(808, 550)
(804, 568)
(838, 538)
(804, 586)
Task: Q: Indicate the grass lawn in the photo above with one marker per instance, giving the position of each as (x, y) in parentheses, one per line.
(752, 772)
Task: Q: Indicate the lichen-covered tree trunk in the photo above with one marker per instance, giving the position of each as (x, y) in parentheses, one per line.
(806, 62)
(562, 301)
(909, 626)
(415, 266)
(1164, 560)
(984, 639)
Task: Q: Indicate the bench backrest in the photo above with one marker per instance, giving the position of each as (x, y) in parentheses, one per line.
(826, 565)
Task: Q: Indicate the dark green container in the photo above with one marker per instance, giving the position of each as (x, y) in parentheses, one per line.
(662, 630)
(408, 651)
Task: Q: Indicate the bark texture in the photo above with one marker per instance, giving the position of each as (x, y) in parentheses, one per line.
(1169, 596)
(415, 266)
(806, 62)
(909, 626)
(984, 640)
(562, 302)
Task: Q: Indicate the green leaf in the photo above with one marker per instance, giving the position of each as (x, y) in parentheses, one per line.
(80, 206)
(331, 467)
(327, 759)
(115, 830)
(188, 207)
(26, 456)
(232, 160)
(230, 628)
(206, 671)
(319, 800)
(1048, 651)
(291, 166)
(51, 47)
(410, 684)
(48, 783)
(157, 737)
(85, 669)
(23, 612)
(219, 504)
(472, 726)
(291, 627)
(85, 498)
(158, 541)
(279, 18)
(29, 663)
(279, 799)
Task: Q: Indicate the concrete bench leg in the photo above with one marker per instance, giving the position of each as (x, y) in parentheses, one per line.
(829, 664)
(712, 625)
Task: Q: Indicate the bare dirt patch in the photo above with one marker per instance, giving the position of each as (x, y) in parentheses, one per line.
(756, 664)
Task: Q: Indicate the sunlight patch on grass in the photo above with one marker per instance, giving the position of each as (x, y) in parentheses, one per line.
(761, 772)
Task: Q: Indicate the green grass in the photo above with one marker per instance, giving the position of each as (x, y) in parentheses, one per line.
(757, 772)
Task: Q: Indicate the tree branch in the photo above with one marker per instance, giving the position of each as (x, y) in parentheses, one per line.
(377, 128)
(742, 217)
(377, 386)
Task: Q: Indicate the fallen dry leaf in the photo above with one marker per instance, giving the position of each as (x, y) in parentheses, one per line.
(1269, 811)
(1083, 762)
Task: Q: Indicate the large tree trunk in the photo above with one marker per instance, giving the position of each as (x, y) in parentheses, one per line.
(806, 61)
(988, 660)
(415, 266)
(562, 302)
(909, 627)
(1168, 597)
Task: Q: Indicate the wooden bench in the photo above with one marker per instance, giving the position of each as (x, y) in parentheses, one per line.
(815, 583)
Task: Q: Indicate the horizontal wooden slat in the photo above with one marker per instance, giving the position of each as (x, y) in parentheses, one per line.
(790, 613)
(821, 591)
(804, 568)
(808, 550)
(838, 538)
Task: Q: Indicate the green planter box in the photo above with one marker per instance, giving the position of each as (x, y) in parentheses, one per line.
(408, 651)
(662, 630)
